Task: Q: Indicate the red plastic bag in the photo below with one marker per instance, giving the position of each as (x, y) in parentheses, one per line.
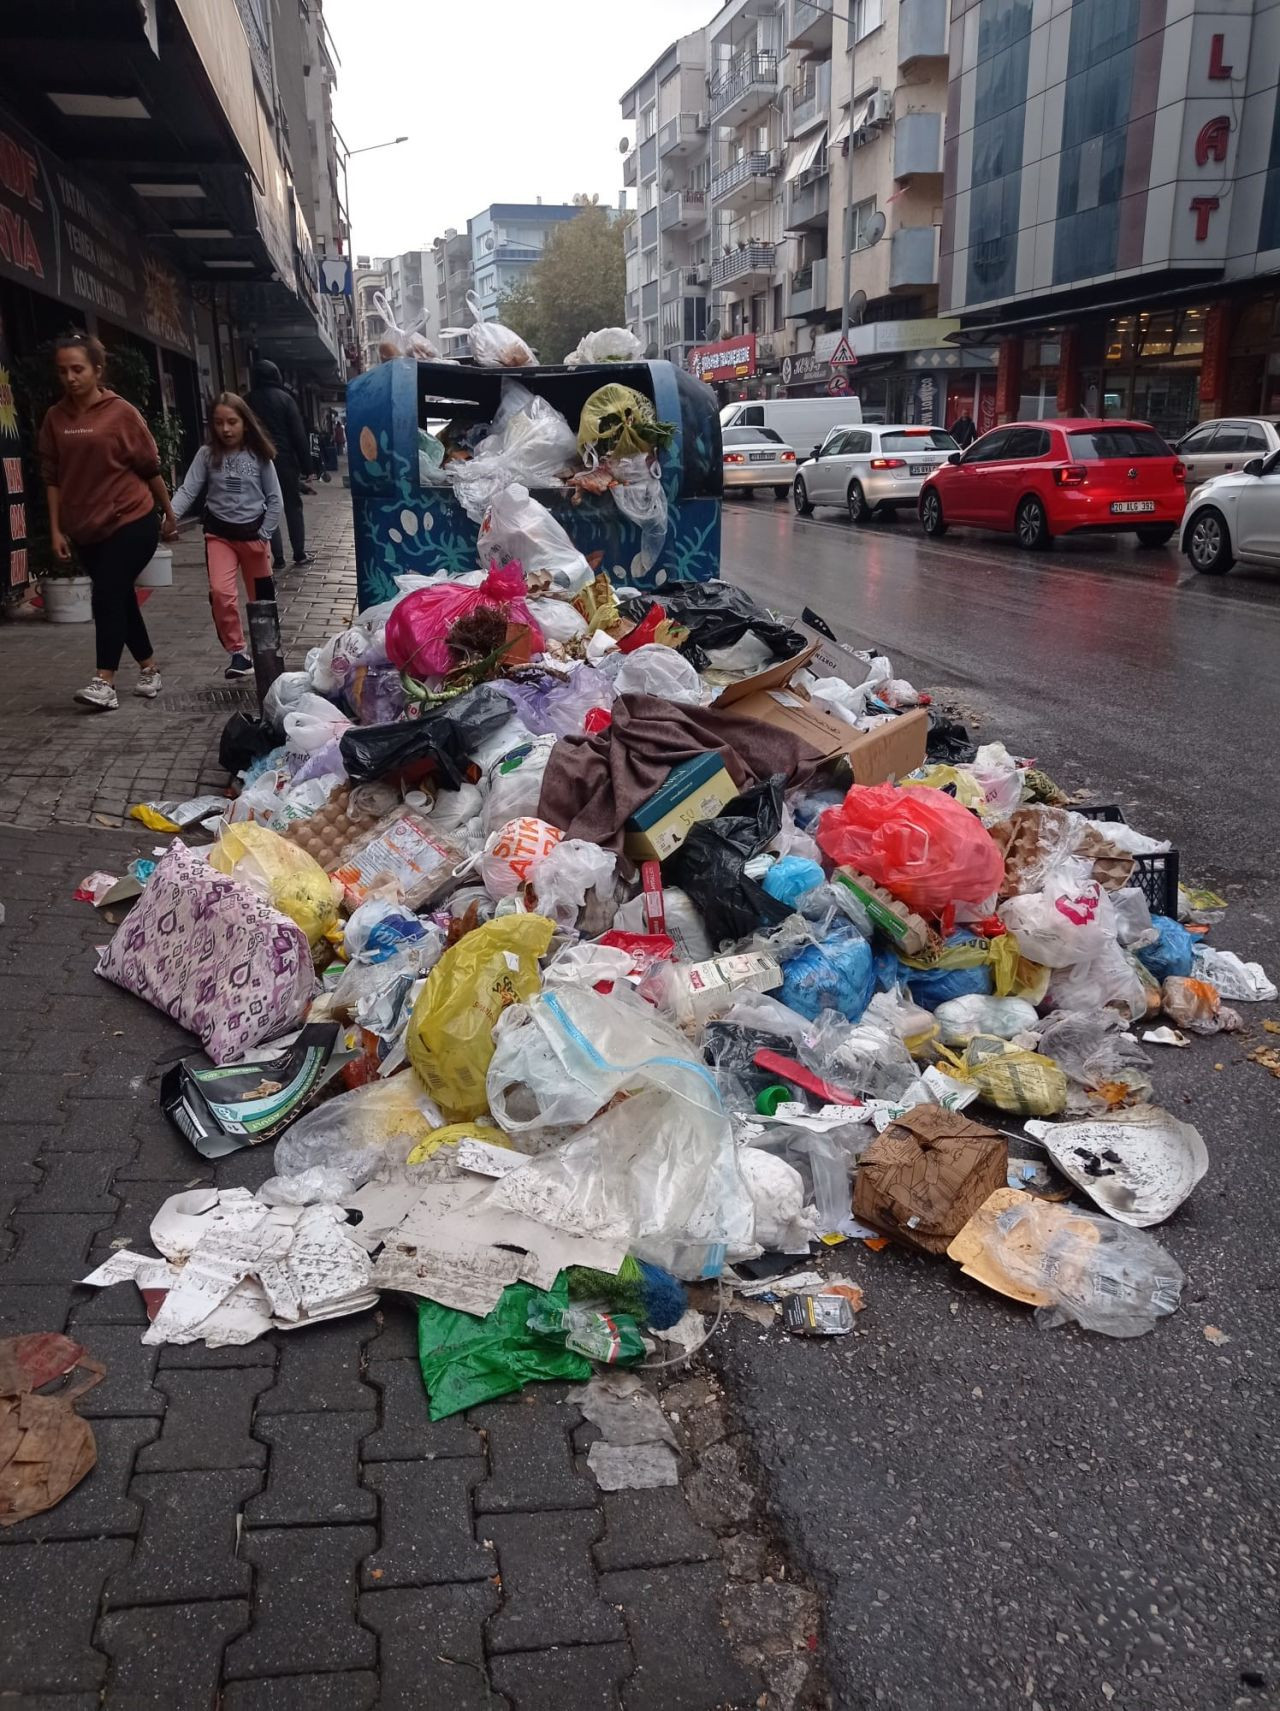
(919, 844)
(419, 625)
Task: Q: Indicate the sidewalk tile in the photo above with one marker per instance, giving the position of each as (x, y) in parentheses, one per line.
(529, 1454)
(187, 1547)
(131, 1364)
(304, 1603)
(320, 1370)
(169, 1656)
(683, 1661)
(206, 1423)
(432, 1646)
(313, 1473)
(644, 1529)
(428, 1536)
(548, 1585)
(48, 1604)
(353, 1692)
(405, 1431)
(585, 1678)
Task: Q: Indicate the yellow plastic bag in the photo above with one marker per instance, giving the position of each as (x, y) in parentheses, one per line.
(293, 881)
(1026, 1083)
(452, 1133)
(968, 792)
(152, 819)
(450, 1034)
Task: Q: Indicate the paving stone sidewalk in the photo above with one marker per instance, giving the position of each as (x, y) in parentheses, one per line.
(280, 1525)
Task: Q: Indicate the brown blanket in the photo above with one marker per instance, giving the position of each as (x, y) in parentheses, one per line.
(594, 783)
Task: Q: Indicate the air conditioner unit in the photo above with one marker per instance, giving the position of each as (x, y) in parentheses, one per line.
(775, 160)
(880, 107)
(704, 121)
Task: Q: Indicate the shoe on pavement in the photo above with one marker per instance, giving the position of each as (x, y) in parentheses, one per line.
(148, 684)
(303, 559)
(239, 665)
(277, 564)
(100, 695)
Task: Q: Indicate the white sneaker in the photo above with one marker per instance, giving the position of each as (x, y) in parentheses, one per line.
(100, 695)
(148, 684)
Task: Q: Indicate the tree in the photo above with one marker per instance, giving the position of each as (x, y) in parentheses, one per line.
(576, 285)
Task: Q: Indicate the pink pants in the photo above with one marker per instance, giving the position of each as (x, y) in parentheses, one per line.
(252, 559)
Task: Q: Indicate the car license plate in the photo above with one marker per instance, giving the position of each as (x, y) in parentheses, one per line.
(920, 469)
(761, 457)
(1128, 507)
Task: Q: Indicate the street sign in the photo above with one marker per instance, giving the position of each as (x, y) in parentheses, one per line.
(838, 385)
(842, 356)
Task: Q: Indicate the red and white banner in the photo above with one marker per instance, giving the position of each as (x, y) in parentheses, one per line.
(728, 359)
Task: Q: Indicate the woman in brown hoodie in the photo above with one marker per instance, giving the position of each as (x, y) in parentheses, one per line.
(102, 476)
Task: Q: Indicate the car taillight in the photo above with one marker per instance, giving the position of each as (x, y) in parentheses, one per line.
(734, 457)
(787, 457)
(1179, 471)
(888, 463)
(1071, 475)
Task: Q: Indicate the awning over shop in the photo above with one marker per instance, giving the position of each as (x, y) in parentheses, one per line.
(807, 154)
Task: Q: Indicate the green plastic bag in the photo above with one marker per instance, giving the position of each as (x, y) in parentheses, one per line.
(618, 421)
(466, 1361)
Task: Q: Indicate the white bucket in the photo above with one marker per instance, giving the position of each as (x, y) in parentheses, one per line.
(158, 572)
(67, 599)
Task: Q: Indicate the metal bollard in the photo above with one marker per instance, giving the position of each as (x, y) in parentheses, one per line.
(264, 644)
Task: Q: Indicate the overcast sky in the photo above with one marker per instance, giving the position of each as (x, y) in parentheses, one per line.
(502, 101)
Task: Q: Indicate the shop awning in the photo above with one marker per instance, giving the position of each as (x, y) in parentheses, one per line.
(806, 156)
(841, 132)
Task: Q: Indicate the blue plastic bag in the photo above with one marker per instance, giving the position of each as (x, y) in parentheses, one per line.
(791, 877)
(1172, 952)
(933, 986)
(839, 974)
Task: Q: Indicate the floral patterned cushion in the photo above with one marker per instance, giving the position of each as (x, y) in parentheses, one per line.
(211, 953)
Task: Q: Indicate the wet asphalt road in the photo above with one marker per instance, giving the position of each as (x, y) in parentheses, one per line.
(998, 1515)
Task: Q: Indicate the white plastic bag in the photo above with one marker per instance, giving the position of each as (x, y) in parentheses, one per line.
(638, 494)
(517, 527)
(684, 923)
(959, 1019)
(606, 344)
(777, 1193)
(312, 722)
(331, 666)
(1108, 978)
(366, 1134)
(1063, 924)
(530, 442)
(403, 341)
(284, 695)
(492, 344)
(1234, 978)
(558, 620)
(562, 879)
(514, 782)
(656, 670)
(999, 778)
(1133, 919)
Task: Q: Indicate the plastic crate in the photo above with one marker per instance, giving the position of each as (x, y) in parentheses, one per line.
(1155, 875)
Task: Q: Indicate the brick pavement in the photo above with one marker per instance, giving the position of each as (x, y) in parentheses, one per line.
(281, 1525)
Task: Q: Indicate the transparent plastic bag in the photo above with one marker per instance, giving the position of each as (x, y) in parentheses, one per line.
(1198, 1007)
(564, 876)
(778, 1194)
(516, 527)
(638, 494)
(312, 723)
(280, 871)
(1135, 925)
(1063, 924)
(834, 973)
(559, 706)
(378, 929)
(365, 1135)
(825, 1150)
(606, 344)
(403, 341)
(492, 344)
(1243, 982)
(529, 442)
(284, 695)
(657, 1169)
(959, 1019)
(1111, 977)
(655, 670)
(1099, 1056)
(865, 1058)
(514, 783)
(919, 844)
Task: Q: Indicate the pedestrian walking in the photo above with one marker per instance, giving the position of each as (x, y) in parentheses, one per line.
(102, 479)
(233, 474)
(963, 431)
(277, 410)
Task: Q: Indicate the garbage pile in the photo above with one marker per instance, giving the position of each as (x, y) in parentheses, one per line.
(577, 953)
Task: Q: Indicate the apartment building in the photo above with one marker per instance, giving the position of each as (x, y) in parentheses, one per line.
(743, 187)
(507, 238)
(371, 277)
(1112, 216)
(453, 281)
(413, 289)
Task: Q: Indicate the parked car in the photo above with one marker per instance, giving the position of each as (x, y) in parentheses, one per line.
(1037, 480)
(757, 457)
(1235, 516)
(870, 468)
(1219, 447)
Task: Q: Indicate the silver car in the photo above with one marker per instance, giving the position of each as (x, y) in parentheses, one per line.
(871, 468)
(1223, 446)
(756, 457)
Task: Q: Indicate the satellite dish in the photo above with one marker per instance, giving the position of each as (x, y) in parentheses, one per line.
(713, 330)
(624, 145)
(650, 351)
(488, 240)
(875, 228)
(857, 307)
(668, 180)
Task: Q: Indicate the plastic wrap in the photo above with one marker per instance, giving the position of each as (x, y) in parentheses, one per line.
(1095, 1051)
(529, 442)
(365, 1135)
(517, 527)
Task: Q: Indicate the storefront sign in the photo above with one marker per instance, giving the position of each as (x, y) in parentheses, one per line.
(62, 237)
(805, 370)
(729, 359)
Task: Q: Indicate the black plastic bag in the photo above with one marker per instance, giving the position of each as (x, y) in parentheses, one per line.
(718, 615)
(948, 741)
(244, 740)
(709, 864)
(437, 746)
(730, 1049)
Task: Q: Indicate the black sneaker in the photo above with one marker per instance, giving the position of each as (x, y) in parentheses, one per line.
(302, 560)
(277, 564)
(239, 665)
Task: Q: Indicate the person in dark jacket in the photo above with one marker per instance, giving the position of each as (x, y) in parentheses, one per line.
(963, 431)
(278, 412)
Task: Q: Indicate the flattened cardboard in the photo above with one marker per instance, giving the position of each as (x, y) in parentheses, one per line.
(889, 751)
(772, 677)
(927, 1174)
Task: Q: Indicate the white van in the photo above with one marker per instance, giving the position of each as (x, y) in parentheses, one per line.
(802, 423)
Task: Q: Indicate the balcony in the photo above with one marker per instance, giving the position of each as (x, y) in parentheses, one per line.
(922, 31)
(649, 300)
(741, 183)
(745, 266)
(631, 237)
(809, 27)
(629, 172)
(917, 144)
(808, 198)
(678, 213)
(913, 257)
(679, 136)
(631, 306)
(809, 288)
(811, 98)
(683, 282)
(648, 228)
(749, 83)
(648, 159)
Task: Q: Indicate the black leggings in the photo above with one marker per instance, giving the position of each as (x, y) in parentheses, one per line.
(114, 565)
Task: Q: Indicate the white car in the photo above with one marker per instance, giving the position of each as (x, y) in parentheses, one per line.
(1235, 516)
(756, 457)
(870, 469)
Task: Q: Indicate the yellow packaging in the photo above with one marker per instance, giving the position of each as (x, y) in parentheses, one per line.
(1026, 1083)
(450, 1034)
(295, 884)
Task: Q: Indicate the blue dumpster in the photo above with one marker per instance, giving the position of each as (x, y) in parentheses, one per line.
(403, 524)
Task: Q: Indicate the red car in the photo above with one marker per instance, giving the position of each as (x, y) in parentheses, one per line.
(1036, 480)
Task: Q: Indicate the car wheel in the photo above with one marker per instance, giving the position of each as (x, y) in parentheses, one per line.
(1156, 535)
(1209, 543)
(800, 498)
(746, 493)
(1031, 525)
(781, 492)
(859, 510)
(931, 519)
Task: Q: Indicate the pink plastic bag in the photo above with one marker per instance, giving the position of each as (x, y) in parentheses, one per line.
(419, 625)
(919, 844)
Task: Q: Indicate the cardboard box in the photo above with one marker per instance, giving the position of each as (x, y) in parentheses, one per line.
(889, 751)
(695, 790)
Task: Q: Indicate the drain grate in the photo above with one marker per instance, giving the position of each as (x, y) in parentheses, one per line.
(195, 700)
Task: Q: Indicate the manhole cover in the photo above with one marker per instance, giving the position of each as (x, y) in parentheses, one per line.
(195, 699)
